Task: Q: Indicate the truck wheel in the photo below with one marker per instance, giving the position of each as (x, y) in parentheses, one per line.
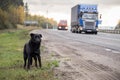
(86, 32)
(79, 32)
(96, 33)
(76, 31)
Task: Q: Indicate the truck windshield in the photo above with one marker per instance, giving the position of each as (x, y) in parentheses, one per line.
(90, 16)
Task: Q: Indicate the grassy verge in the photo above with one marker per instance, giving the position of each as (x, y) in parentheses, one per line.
(11, 58)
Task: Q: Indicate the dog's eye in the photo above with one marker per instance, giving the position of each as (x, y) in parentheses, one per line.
(36, 36)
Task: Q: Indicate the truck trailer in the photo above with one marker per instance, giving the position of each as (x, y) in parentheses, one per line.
(84, 18)
(62, 25)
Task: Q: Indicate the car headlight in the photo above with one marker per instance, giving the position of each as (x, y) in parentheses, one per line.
(66, 27)
(60, 27)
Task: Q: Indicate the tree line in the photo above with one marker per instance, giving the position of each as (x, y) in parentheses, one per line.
(12, 13)
(42, 21)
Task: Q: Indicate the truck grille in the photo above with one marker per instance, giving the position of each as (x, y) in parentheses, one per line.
(89, 25)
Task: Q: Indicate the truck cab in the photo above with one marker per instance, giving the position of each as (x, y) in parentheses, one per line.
(90, 22)
(84, 18)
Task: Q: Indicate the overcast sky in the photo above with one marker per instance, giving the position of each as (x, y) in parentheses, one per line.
(61, 9)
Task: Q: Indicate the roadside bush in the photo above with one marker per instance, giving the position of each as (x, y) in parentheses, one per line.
(5, 22)
(9, 25)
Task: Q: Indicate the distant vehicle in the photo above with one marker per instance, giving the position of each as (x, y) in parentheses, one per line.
(62, 25)
(84, 18)
(31, 23)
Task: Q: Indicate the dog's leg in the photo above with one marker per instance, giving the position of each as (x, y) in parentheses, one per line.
(35, 58)
(25, 59)
(39, 60)
(29, 59)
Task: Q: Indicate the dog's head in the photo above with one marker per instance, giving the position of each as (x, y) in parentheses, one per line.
(36, 38)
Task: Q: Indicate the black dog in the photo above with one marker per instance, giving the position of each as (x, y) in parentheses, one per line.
(32, 50)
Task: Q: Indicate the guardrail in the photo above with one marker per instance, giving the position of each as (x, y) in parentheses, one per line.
(110, 31)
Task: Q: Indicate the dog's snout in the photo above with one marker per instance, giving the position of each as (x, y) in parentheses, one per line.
(38, 40)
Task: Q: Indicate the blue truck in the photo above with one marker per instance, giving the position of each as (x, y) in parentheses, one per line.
(84, 18)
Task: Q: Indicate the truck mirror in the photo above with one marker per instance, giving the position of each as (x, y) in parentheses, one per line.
(100, 16)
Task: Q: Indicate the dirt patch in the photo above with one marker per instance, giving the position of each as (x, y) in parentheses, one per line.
(99, 66)
(116, 74)
(68, 75)
(56, 56)
(77, 54)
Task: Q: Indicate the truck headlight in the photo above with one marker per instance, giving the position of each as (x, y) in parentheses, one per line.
(81, 28)
(97, 29)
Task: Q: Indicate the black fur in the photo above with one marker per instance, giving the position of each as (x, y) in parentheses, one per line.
(32, 50)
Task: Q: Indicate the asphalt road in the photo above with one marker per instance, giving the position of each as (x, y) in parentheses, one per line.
(110, 41)
(83, 56)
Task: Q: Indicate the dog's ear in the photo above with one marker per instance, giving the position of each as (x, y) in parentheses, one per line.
(40, 35)
(31, 34)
